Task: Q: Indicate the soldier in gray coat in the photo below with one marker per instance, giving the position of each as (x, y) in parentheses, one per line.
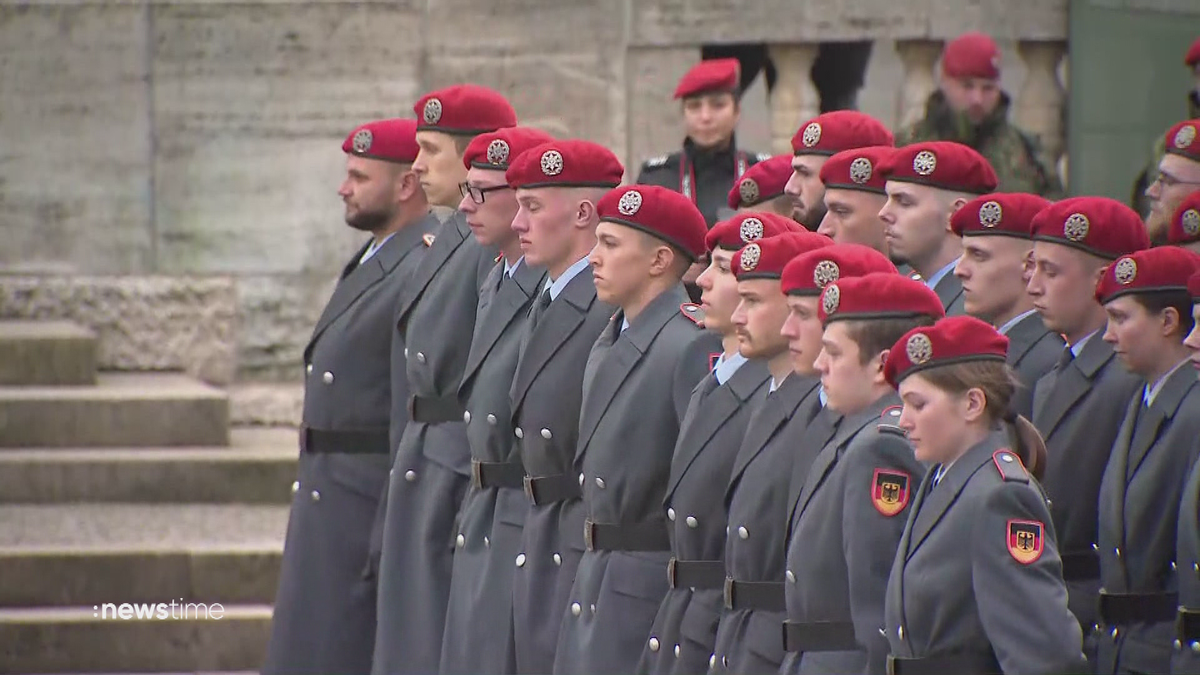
(976, 586)
(926, 184)
(636, 386)
(847, 515)
(1149, 314)
(997, 235)
(479, 612)
(556, 222)
(436, 317)
(1079, 404)
(1186, 660)
(709, 437)
(747, 637)
(325, 609)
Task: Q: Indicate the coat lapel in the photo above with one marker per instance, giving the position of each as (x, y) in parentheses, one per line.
(507, 305)
(939, 499)
(557, 324)
(624, 355)
(1023, 336)
(1112, 487)
(1072, 383)
(450, 236)
(712, 413)
(1165, 404)
(833, 448)
(948, 290)
(778, 408)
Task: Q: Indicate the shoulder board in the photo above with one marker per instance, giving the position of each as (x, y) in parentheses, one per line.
(889, 420)
(499, 257)
(693, 312)
(428, 240)
(1010, 466)
(762, 156)
(655, 162)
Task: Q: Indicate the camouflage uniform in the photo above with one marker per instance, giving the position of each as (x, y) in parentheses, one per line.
(1014, 154)
(1138, 200)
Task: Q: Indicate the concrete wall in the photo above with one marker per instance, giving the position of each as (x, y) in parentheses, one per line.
(192, 139)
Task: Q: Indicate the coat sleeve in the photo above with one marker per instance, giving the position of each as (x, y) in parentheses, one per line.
(693, 365)
(870, 536)
(1022, 605)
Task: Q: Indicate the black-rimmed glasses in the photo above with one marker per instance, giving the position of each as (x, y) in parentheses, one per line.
(477, 193)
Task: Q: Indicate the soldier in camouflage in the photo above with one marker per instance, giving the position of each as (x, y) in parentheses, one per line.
(970, 108)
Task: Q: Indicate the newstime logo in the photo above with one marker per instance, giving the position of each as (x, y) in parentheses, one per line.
(159, 611)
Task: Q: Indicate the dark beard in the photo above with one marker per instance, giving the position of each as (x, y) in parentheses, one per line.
(812, 219)
(369, 221)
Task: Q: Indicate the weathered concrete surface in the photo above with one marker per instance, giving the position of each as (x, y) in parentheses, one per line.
(46, 353)
(75, 183)
(142, 323)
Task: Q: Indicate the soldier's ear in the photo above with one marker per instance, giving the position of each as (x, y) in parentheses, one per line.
(585, 213)
(974, 404)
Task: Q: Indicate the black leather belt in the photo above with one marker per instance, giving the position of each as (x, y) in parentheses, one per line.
(1081, 566)
(649, 536)
(497, 474)
(551, 489)
(967, 664)
(344, 441)
(1118, 609)
(1187, 625)
(754, 595)
(696, 573)
(819, 636)
(434, 409)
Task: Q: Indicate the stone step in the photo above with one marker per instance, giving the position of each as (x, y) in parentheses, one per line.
(77, 639)
(258, 468)
(46, 353)
(88, 554)
(123, 410)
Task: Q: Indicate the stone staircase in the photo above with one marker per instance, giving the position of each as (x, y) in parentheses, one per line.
(130, 488)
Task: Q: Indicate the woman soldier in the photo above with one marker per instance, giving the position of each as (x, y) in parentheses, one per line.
(977, 583)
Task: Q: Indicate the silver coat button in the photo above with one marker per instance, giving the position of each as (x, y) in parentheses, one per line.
(724, 662)
(327, 377)
(1177, 645)
(557, 559)
(295, 487)
(1096, 547)
(460, 541)
(308, 369)
(580, 480)
(1196, 567)
(1117, 552)
(1115, 633)
(467, 416)
(519, 432)
(421, 357)
(410, 475)
(691, 521)
(406, 352)
(676, 651)
(316, 496)
(576, 608)
(520, 560)
(487, 543)
(712, 661)
(1172, 565)
(743, 532)
(653, 644)
(593, 608)
(546, 434)
(900, 632)
(671, 514)
(491, 419)
(599, 482)
(791, 577)
(1196, 647)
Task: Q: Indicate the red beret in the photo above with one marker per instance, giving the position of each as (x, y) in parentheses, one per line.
(880, 295)
(1183, 139)
(810, 273)
(832, 132)
(1002, 213)
(857, 169)
(956, 339)
(659, 212)
(392, 140)
(1185, 224)
(762, 182)
(766, 258)
(710, 75)
(464, 109)
(566, 163)
(1194, 287)
(1098, 225)
(972, 55)
(1193, 54)
(1166, 268)
(941, 164)
(744, 228)
(495, 149)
